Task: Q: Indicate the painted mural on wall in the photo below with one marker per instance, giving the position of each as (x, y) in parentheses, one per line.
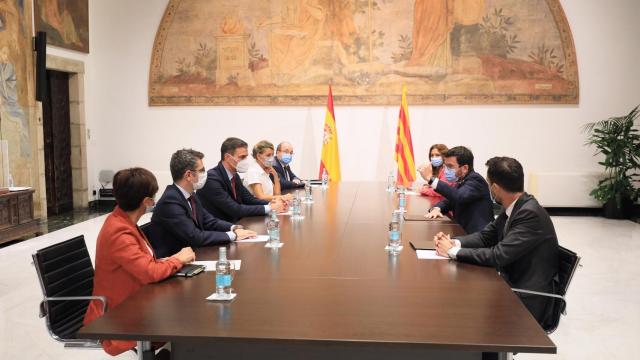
(66, 23)
(256, 52)
(17, 103)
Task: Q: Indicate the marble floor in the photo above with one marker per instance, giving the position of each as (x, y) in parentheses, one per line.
(603, 320)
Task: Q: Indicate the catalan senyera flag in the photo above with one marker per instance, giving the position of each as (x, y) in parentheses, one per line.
(404, 146)
(330, 159)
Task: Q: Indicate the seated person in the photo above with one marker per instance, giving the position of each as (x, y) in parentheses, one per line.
(124, 258)
(520, 243)
(468, 198)
(284, 156)
(223, 194)
(179, 219)
(436, 153)
(258, 178)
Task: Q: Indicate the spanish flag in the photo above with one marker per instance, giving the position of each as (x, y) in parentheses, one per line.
(404, 147)
(330, 159)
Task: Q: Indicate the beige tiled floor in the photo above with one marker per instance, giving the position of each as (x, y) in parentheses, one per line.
(603, 319)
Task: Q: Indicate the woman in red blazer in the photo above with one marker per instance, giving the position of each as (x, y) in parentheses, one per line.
(436, 159)
(125, 260)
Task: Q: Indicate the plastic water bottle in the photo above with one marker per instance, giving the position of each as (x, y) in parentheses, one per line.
(10, 181)
(402, 199)
(391, 182)
(395, 234)
(325, 178)
(223, 274)
(307, 192)
(295, 207)
(273, 229)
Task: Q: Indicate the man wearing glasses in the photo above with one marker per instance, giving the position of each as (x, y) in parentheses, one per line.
(469, 198)
(179, 219)
(284, 156)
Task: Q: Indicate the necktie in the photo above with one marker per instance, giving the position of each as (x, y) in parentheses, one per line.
(192, 201)
(286, 173)
(233, 188)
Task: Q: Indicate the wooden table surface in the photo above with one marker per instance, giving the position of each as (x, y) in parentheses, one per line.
(332, 281)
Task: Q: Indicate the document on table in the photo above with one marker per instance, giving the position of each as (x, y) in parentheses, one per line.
(429, 255)
(259, 238)
(211, 265)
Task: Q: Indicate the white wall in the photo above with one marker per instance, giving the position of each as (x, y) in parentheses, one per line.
(125, 131)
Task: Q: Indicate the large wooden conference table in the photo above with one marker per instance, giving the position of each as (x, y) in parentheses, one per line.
(333, 292)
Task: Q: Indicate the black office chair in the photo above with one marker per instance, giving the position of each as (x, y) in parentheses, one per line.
(66, 273)
(569, 262)
(145, 229)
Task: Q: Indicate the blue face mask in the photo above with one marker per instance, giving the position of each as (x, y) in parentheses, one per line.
(436, 161)
(450, 174)
(286, 158)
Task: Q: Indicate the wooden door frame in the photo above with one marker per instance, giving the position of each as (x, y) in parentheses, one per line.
(79, 172)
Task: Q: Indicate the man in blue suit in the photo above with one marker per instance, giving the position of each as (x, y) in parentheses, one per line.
(469, 198)
(284, 156)
(223, 194)
(179, 219)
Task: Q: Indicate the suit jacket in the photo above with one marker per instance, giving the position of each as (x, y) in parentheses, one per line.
(282, 171)
(216, 196)
(173, 226)
(523, 248)
(124, 263)
(470, 201)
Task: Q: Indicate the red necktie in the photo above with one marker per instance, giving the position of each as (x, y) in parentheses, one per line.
(233, 188)
(192, 201)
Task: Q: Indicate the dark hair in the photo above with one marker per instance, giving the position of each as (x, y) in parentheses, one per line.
(442, 148)
(506, 172)
(131, 186)
(183, 160)
(230, 145)
(463, 156)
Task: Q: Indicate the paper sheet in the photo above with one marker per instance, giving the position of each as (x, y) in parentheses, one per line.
(259, 238)
(429, 255)
(211, 265)
(412, 193)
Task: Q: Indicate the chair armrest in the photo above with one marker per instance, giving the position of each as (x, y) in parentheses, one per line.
(43, 312)
(537, 293)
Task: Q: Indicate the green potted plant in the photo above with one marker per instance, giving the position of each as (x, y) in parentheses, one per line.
(618, 140)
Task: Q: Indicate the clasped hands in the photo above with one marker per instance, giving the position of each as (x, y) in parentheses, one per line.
(443, 243)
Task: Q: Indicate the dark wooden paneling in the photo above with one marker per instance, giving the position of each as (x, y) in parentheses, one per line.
(57, 143)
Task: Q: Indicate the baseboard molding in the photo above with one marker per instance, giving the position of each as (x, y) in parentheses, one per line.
(572, 211)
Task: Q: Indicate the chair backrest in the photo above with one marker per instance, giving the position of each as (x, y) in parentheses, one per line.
(145, 229)
(65, 269)
(105, 177)
(568, 263)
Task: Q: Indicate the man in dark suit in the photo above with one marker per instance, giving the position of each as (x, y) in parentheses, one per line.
(469, 198)
(179, 220)
(284, 156)
(223, 194)
(520, 243)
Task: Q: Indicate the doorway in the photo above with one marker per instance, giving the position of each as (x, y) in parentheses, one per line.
(56, 128)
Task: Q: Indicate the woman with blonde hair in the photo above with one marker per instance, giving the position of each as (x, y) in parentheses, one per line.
(261, 179)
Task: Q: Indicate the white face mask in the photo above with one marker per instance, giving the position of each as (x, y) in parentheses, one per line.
(268, 162)
(202, 179)
(243, 165)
